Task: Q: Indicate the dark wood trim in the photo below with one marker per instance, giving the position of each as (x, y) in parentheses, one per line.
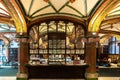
(52, 18)
(56, 71)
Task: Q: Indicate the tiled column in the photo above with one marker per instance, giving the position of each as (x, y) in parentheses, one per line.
(23, 58)
(91, 72)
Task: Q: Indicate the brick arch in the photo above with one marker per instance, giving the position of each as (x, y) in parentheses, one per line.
(5, 40)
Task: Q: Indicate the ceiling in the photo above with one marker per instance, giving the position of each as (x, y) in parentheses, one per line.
(102, 16)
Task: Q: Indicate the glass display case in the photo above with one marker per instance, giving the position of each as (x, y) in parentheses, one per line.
(56, 42)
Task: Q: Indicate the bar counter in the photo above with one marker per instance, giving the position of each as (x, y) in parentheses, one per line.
(76, 71)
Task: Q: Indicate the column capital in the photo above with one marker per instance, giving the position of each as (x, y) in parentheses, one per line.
(22, 37)
(92, 35)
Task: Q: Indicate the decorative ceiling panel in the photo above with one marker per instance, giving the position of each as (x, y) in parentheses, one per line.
(3, 11)
(69, 11)
(37, 6)
(58, 4)
(79, 8)
(45, 11)
(115, 11)
(112, 27)
(5, 20)
(26, 5)
(91, 5)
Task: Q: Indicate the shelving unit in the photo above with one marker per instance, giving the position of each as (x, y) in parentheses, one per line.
(55, 49)
(56, 44)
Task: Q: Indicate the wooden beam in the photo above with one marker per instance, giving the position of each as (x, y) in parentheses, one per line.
(109, 32)
(110, 21)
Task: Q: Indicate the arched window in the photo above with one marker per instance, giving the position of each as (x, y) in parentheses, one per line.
(113, 45)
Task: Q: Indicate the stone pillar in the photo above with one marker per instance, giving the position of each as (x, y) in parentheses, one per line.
(91, 72)
(23, 58)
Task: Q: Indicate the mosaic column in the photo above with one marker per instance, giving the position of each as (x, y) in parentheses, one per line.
(91, 72)
(23, 58)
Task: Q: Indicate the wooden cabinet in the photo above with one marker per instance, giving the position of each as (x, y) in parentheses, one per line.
(56, 71)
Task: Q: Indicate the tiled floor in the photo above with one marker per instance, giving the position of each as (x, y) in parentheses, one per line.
(100, 78)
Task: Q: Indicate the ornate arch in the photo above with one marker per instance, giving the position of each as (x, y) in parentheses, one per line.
(100, 14)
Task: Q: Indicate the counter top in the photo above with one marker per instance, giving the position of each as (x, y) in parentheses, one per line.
(57, 64)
